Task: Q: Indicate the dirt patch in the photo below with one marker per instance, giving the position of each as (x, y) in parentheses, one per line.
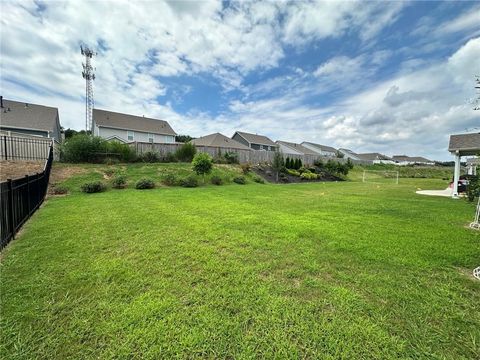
(17, 169)
(269, 175)
(62, 173)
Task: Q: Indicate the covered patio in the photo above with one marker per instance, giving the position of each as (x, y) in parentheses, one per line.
(462, 145)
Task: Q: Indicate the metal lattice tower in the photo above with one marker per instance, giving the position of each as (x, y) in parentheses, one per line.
(89, 76)
(477, 88)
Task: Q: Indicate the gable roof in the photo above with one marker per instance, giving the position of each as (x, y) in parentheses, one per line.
(110, 119)
(373, 156)
(255, 139)
(219, 140)
(297, 147)
(348, 151)
(321, 147)
(410, 158)
(469, 143)
(23, 115)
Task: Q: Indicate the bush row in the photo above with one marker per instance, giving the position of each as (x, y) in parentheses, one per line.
(93, 149)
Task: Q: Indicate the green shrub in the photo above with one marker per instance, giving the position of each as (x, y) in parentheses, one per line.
(119, 182)
(59, 190)
(170, 180)
(308, 175)
(245, 168)
(231, 157)
(169, 158)
(216, 180)
(93, 187)
(123, 152)
(86, 148)
(186, 152)
(189, 182)
(240, 180)
(288, 163)
(293, 172)
(150, 157)
(202, 164)
(145, 184)
(258, 179)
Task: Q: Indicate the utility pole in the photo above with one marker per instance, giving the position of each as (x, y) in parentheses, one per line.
(89, 76)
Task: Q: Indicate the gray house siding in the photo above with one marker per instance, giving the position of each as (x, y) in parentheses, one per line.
(240, 139)
(25, 131)
(253, 146)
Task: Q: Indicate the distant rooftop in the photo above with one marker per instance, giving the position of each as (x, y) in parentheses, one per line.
(373, 156)
(22, 115)
(297, 147)
(116, 120)
(219, 140)
(321, 147)
(256, 139)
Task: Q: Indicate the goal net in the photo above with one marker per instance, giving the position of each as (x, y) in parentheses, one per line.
(476, 222)
(380, 176)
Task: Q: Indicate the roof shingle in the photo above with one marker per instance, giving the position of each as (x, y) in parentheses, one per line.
(28, 116)
(256, 139)
(219, 140)
(465, 142)
(116, 120)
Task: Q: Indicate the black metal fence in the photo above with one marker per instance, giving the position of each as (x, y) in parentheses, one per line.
(20, 198)
(24, 148)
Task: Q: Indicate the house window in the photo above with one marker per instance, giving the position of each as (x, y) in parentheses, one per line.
(261, 147)
(130, 135)
(150, 138)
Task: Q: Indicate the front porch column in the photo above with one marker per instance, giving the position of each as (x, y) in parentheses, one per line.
(456, 175)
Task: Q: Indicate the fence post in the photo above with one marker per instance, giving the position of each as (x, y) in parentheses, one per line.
(10, 207)
(5, 147)
(27, 178)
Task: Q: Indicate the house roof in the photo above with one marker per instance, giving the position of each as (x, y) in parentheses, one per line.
(373, 156)
(219, 140)
(116, 120)
(321, 147)
(23, 115)
(468, 144)
(255, 139)
(297, 147)
(348, 151)
(410, 158)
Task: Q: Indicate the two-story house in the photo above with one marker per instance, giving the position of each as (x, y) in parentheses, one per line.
(127, 128)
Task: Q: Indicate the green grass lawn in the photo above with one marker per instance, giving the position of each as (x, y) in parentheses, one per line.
(320, 270)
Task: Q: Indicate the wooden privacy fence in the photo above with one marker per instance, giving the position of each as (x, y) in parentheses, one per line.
(19, 148)
(244, 156)
(20, 198)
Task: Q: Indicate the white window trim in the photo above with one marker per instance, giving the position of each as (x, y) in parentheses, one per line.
(151, 137)
(132, 134)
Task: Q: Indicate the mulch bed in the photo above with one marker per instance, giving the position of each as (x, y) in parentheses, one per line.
(266, 172)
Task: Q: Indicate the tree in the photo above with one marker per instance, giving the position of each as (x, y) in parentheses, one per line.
(186, 152)
(278, 162)
(287, 162)
(183, 138)
(202, 164)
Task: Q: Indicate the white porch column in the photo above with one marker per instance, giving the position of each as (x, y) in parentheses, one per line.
(456, 175)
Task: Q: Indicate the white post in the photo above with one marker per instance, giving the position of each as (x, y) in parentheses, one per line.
(456, 176)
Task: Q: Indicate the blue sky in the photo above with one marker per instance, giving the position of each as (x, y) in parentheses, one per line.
(393, 77)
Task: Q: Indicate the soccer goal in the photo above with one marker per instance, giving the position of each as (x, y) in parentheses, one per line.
(380, 176)
(476, 222)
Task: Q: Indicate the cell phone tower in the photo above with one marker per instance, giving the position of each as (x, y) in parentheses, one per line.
(477, 88)
(89, 76)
